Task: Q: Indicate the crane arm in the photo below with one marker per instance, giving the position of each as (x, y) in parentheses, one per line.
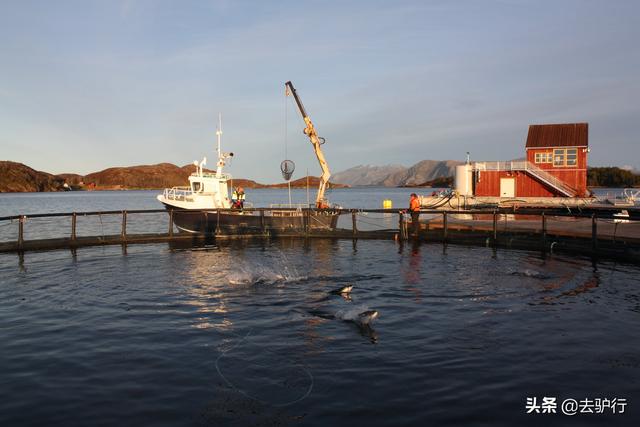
(310, 131)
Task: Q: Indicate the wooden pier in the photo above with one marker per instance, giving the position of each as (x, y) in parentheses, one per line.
(588, 233)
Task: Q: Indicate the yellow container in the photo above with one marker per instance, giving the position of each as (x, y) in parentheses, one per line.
(387, 204)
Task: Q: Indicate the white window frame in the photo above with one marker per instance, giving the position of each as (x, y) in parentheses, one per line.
(543, 157)
(561, 157)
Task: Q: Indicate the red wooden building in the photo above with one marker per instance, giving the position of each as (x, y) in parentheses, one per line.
(555, 165)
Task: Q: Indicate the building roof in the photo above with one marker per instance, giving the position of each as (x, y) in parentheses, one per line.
(558, 135)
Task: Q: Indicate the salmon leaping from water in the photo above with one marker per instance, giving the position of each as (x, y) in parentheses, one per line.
(344, 292)
(366, 317)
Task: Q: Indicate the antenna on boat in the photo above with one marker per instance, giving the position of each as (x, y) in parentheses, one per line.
(221, 156)
(219, 133)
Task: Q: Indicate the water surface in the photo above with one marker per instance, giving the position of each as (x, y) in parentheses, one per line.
(248, 334)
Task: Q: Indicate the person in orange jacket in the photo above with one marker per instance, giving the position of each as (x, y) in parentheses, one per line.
(414, 210)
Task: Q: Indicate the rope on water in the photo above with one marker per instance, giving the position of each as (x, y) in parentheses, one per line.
(249, 396)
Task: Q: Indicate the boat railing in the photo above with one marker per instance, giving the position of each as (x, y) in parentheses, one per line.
(297, 206)
(177, 193)
(287, 209)
(224, 176)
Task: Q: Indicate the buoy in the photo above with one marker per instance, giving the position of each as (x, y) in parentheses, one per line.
(387, 204)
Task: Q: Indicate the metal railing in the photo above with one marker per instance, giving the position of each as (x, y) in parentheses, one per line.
(526, 166)
(296, 206)
(178, 193)
(213, 175)
(183, 193)
(603, 232)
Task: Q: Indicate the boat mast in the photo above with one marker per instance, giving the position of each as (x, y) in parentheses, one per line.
(219, 138)
(316, 141)
(222, 157)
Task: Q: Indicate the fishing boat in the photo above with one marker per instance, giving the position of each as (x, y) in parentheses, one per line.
(204, 206)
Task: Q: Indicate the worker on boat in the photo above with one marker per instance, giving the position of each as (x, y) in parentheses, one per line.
(238, 198)
(414, 210)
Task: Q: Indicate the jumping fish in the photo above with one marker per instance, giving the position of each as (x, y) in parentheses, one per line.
(366, 317)
(362, 320)
(345, 290)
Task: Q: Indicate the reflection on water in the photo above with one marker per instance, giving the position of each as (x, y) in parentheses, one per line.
(411, 270)
(205, 291)
(243, 333)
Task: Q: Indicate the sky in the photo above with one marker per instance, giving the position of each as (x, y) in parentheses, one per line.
(86, 85)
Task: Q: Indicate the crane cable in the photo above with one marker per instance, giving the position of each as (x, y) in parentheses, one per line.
(286, 125)
(286, 133)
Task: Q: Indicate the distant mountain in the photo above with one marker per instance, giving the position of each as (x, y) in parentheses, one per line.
(165, 175)
(157, 176)
(440, 182)
(367, 174)
(396, 175)
(421, 172)
(16, 177)
(313, 182)
(72, 179)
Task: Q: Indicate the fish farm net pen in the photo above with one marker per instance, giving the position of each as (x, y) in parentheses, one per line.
(595, 232)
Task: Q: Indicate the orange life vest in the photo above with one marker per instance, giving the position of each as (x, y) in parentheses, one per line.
(414, 204)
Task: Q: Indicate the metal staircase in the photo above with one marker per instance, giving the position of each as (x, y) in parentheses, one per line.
(533, 170)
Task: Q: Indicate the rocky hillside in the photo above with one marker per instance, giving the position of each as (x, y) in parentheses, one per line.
(397, 176)
(16, 177)
(72, 179)
(144, 176)
(367, 174)
(313, 183)
(166, 175)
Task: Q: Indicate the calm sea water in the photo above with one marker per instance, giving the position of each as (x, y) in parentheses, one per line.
(248, 333)
(82, 201)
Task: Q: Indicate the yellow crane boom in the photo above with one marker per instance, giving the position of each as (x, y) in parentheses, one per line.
(316, 141)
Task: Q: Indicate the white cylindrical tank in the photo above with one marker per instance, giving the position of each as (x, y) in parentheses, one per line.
(464, 180)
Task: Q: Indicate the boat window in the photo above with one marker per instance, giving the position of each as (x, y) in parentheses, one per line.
(196, 186)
